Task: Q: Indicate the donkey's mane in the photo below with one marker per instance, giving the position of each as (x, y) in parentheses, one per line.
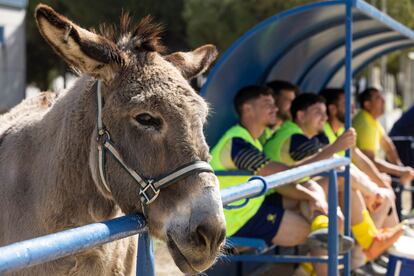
(144, 35)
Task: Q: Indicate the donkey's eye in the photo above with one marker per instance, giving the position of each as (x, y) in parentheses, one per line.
(146, 119)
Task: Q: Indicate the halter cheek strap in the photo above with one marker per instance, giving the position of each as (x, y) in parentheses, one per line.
(148, 188)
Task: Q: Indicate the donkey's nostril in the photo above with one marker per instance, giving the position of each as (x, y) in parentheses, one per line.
(209, 236)
(221, 236)
(202, 236)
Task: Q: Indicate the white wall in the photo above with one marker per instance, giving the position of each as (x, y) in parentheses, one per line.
(12, 57)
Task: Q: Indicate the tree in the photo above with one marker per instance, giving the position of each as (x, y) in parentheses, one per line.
(43, 65)
(189, 23)
(221, 22)
(402, 11)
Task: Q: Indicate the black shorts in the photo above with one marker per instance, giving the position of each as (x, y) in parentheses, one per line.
(266, 222)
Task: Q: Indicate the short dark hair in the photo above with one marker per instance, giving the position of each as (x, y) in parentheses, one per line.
(249, 93)
(279, 85)
(331, 96)
(303, 101)
(366, 95)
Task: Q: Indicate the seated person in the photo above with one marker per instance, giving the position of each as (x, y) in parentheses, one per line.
(271, 217)
(404, 128)
(284, 93)
(379, 196)
(334, 127)
(372, 137)
(302, 138)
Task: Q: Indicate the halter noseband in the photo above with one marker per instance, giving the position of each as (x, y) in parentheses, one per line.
(148, 188)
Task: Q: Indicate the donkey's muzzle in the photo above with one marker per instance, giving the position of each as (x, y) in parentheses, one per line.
(207, 231)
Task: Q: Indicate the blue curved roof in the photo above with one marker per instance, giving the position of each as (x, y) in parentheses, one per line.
(304, 45)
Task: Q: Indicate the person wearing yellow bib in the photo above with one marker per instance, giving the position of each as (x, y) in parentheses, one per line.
(365, 177)
(372, 137)
(273, 217)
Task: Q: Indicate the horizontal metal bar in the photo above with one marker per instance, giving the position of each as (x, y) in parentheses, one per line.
(402, 138)
(276, 259)
(235, 172)
(254, 187)
(54, 246)
(407, 189)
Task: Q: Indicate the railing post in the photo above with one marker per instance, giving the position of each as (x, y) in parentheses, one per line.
(333, 224)
(145, 256)
(348, 100)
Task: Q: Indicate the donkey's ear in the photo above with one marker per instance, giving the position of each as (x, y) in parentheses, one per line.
(86, 51)
(192, 64)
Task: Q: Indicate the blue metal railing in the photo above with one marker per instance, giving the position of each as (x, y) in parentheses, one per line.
(284, 178)
(54, 246)
(51, 247)
(405, 148)
(1, 35)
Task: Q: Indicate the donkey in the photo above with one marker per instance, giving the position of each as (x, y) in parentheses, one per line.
(129, 126)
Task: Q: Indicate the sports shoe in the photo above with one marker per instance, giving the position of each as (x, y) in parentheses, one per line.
(318, 239)
(382, 260)
(369, 269)
(382, 241)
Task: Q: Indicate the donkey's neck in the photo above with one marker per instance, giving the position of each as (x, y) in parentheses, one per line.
(72, 121)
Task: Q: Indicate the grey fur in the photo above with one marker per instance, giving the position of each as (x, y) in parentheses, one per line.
(48, 165)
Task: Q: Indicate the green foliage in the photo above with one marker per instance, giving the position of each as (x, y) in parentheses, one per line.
(43, 65)
(402, 11)
(189, 24)
(221, 22)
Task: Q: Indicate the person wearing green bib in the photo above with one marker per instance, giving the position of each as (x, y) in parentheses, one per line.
(378, 194)
(274, 217)
(284, 93)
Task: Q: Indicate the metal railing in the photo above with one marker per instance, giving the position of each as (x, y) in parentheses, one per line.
(405, 149)
(54, 246)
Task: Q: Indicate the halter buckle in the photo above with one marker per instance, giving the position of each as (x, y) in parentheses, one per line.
(145, 198)
(103, 136)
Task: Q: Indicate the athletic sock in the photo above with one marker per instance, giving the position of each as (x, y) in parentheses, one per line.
(319, 222)
(308, 268)
(365, 231)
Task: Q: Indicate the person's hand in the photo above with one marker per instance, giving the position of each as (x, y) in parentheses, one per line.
(407, 176)
(378, 199)
(320, 205)
(315, 203)
(345, 141)
(386, 179)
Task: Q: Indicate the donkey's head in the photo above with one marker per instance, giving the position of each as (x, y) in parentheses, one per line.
(155, 121)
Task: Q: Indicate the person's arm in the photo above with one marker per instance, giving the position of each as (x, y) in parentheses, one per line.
(247, 157)
(298, 191)
(344, 142)
(383, 165)
(361, 181)
(390, 150)
(368, 167)
(406, 174)
(294, 190)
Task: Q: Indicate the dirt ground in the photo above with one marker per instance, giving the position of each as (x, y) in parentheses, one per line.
(164, 264)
